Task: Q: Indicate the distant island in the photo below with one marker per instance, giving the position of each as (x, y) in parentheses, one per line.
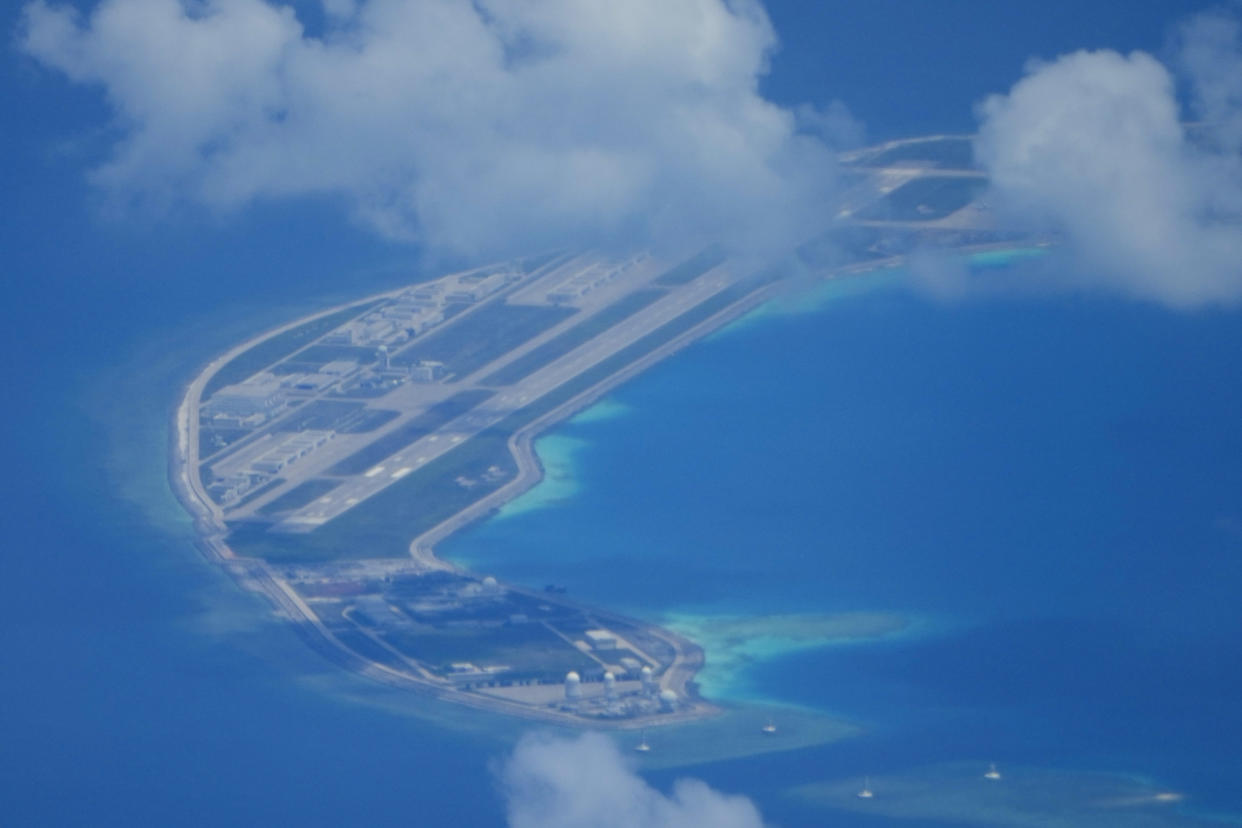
(323, 461)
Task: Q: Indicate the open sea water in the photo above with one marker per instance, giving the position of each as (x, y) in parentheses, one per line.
(1047, 490)
(1045, 493)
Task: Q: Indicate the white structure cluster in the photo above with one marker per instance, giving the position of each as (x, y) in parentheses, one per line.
(593, 277)
(623, 687)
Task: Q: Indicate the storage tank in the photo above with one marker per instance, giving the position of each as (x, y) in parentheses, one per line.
(573, 687)
(610, 687)
(648, 679)
(668, 699)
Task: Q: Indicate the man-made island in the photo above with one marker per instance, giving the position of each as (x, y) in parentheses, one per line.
(324, 460)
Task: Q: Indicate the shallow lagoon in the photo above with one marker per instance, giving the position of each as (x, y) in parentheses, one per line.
(1039, 495)
(1007, 479)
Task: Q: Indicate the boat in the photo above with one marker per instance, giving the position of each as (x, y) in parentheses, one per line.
(992, 773)
(866, 793)
(770, 727)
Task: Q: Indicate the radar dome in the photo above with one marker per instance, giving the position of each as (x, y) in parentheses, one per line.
(573, 686)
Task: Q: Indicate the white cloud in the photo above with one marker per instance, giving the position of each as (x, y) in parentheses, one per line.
(585, 782)
(940, 274)
(1210, 53)
(471, 126)
(1091, 145)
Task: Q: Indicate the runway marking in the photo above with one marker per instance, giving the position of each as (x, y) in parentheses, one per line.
(374, 471)
(351, 501)
(402, 472)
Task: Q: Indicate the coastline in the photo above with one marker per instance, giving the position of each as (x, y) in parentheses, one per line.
(259, 576)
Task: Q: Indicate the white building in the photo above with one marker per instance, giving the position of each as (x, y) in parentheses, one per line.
(289, 451)
(246, 399)
(601, 639)
(339, 367)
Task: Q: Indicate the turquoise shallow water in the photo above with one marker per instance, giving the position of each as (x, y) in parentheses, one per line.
(1048, 488)
(995, 531)
(1042, 495)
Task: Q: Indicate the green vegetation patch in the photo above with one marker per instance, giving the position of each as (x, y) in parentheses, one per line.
(255, 494)
(578, 335)
(320, 355)
(534, 648)
(299, 496)
(290, 366)
(383, 525)
(693, 267)
(660, 336)
(368, 648)
(486, 334)
(212, 440)
(368, 419)
(369, 388)
(337, 415)
(417, 428)
(925, 199)
(319, 415)
(272, 350)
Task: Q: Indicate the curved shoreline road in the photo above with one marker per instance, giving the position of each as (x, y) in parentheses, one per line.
(186, 426)
(679, 298)
(259, 576)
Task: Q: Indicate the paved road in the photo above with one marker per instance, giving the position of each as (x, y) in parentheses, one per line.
(383, 474)
(410, 399)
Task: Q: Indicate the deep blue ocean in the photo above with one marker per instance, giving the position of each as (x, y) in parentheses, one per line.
(1046, 491)
(1049, 486)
